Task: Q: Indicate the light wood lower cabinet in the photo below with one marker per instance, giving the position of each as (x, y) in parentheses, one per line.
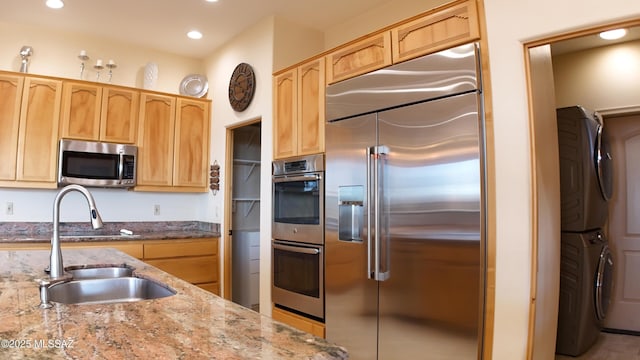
(299, 322)
(193, 260)
(131, 248)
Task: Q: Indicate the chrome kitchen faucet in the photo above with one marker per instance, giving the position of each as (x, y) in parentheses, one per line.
(56, 268)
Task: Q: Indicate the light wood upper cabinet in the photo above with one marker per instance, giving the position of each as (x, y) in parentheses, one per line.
(99, 113)
(80, 110)
(299, 110)
(10, 100)
(119, 115)
(38, 133)
(371, 53)
(173, 144)
(311, 91)
(171, 132)
(29, 118)
(155, 140)
(191, 149)
(285, 90)
(446, 28)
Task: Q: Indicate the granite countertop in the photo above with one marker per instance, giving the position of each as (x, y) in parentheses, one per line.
(24, 232)
(193, 324)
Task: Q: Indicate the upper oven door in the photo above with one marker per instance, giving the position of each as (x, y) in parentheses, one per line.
(298, 208)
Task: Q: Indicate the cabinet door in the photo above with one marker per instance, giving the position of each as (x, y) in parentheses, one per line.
(440, 30)
(119, 115)
(371, 53)
(311, 90)
(80, 111)
(155, 139)
(285, 90)
(10, 97)
(191, 149)
(38, 135)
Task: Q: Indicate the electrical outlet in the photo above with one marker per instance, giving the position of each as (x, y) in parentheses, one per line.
(156, 210)
(9, 208)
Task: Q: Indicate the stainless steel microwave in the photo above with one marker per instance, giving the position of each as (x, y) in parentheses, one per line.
(97, 164)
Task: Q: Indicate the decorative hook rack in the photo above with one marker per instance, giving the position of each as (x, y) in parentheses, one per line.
(214, 178)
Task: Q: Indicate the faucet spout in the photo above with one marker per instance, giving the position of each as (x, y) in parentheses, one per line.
(56, 267)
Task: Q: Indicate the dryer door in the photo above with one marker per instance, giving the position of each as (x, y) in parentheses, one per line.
(604, 282)
(604, 163)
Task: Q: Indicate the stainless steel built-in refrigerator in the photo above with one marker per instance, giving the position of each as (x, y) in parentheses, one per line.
(405, 217)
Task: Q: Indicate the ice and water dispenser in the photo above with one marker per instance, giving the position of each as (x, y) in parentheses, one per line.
(351, 213)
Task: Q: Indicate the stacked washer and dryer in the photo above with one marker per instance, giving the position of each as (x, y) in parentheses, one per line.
(586, 267)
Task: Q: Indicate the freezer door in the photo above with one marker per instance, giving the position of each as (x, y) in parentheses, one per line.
(430, 304)
(351, 305)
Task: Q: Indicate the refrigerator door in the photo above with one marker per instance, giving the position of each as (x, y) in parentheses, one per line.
(431, 303)
(351, 298)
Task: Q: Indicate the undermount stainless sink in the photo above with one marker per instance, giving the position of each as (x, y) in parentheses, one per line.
(78, 272)
(107, 290)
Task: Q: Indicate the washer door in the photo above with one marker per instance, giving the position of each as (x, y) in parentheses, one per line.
(604, 163)
(604, 282)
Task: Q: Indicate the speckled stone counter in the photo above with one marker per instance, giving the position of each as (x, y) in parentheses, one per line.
(26, 232)
(193, 324)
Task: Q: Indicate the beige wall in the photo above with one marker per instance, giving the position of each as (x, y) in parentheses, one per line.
(293, 43)
(510, 23)
(376, 18)
(603, 78)
(56, 54)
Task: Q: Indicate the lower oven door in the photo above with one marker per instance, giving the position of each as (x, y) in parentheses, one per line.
(298, 277)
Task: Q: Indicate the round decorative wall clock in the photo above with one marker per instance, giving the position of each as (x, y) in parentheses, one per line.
(242, 86)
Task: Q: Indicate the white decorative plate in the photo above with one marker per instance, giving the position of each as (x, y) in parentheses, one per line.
(194, 85)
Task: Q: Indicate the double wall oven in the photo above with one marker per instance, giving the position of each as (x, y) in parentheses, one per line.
(298, 235)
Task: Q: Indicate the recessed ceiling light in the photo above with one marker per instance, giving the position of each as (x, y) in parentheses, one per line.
(55, 4)
(613, 34)
(194, 34)
(212, 0)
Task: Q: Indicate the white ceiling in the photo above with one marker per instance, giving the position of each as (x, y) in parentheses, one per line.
(591, 41)
(163, 24)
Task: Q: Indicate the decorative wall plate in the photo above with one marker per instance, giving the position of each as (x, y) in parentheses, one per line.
(194, 85)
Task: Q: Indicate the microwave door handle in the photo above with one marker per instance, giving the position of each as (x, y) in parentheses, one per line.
(279, 179)
(121, 167)
(303, 250)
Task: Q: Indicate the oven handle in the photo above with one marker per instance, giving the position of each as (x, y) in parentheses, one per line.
(298, 249)
(285, 178)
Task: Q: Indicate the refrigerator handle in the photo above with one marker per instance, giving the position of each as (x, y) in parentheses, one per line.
(370, 153)
(381, 238)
